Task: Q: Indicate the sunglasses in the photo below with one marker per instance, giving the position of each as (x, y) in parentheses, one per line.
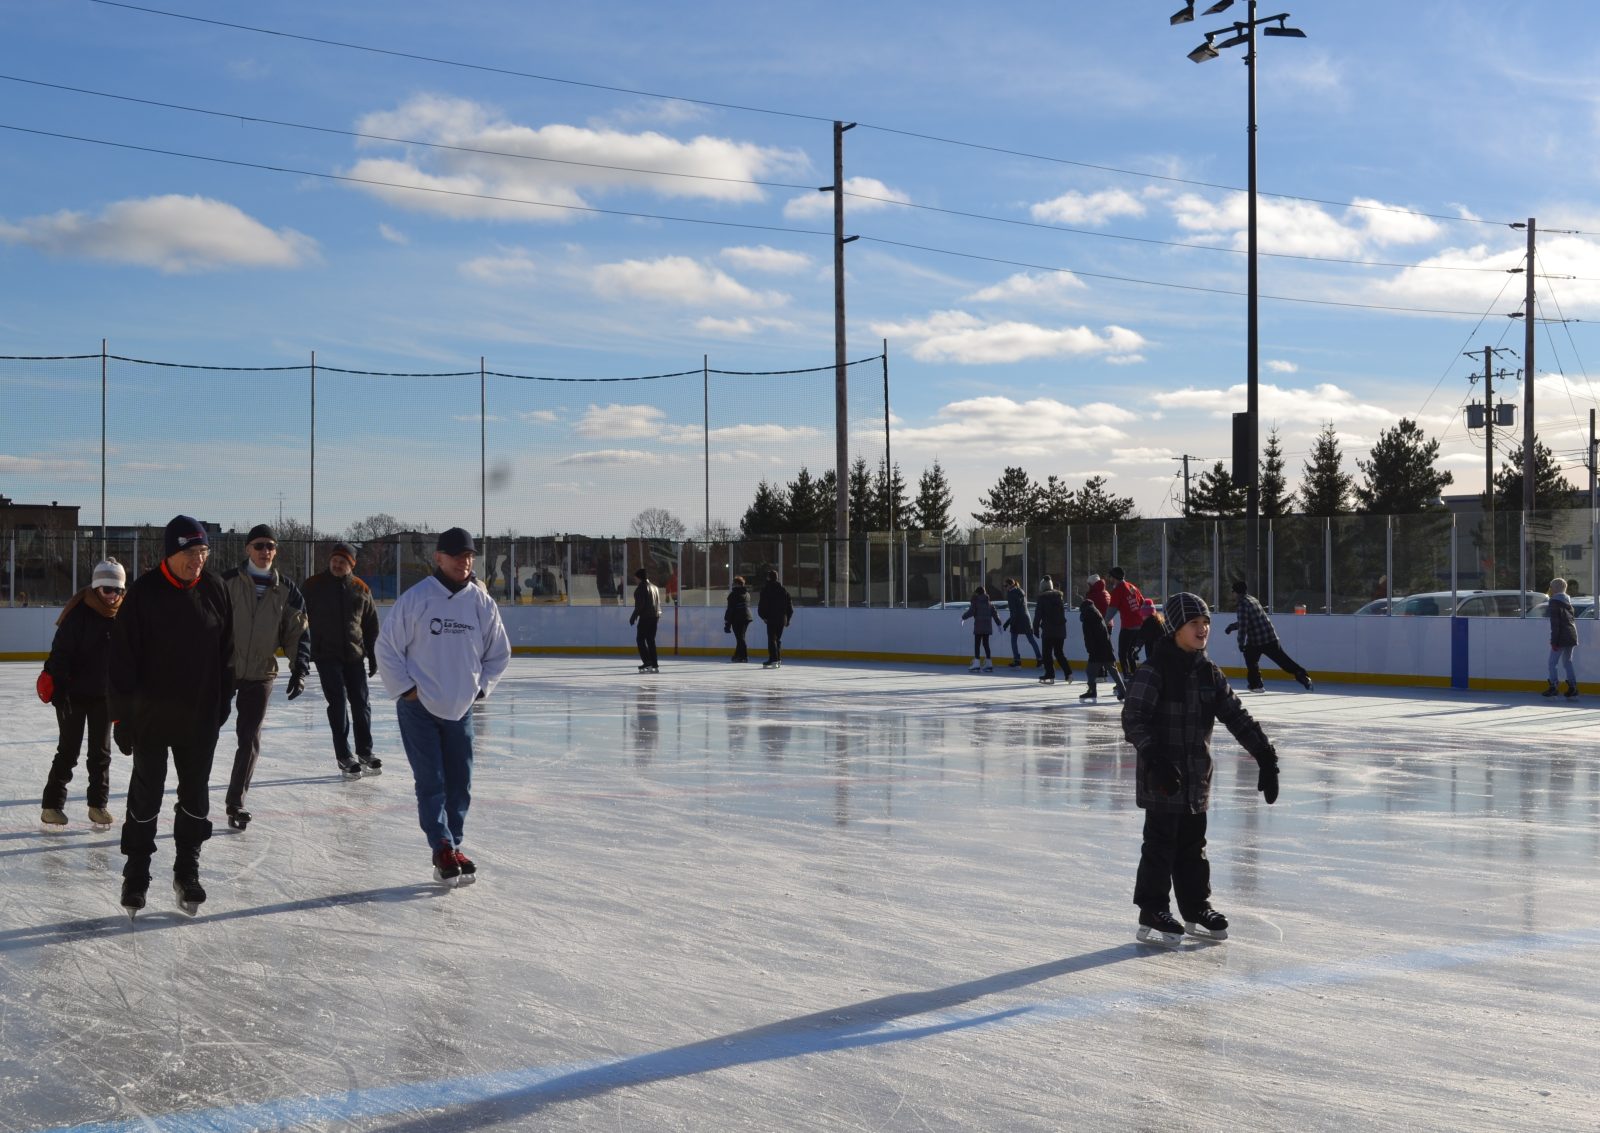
(263, 546)
(108, 591)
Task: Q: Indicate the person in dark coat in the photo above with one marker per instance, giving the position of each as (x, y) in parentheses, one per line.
(344, 643)
(171, 687)
(1050, 623)
(76, 681)
(1018, 623)
(1151, 630)
(647, 613)
(1563, 636)
(776, 611)
(982, 613)
(1097, 643)
(736, 620)
(1173, 702)
(1257, 637)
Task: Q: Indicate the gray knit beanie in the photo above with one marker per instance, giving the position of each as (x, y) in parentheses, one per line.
(1184, 608)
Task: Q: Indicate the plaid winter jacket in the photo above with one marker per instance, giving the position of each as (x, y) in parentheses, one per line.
(1173, 702)
(1255, 628)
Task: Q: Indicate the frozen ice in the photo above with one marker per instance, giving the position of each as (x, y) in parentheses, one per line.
(829, 896)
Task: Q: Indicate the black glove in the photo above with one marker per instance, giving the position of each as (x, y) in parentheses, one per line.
(1230, 627)
(1165, 777)
(372, 665)
(122, 733)
(297, 684)
(1267, 776)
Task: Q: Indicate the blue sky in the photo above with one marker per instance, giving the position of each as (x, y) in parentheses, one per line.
(1404, 138)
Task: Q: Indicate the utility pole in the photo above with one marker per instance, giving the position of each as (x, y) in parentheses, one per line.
(841, 389)
(1592, 445)
(1528, 373)
(1488, 353)
(1186, 458)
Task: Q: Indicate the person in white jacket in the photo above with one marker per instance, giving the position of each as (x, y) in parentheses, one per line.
(443, 648)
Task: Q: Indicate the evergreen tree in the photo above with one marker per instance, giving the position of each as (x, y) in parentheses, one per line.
(1093, 504)
(887, 488)
(768, 513)
(809, 508)
(931, 508)
(1550, 488)
(1055, 503)
(862, 504)
(1276, 500)
(1215, 495)
(1325, 489)
(1401, 477)
(1012, 502)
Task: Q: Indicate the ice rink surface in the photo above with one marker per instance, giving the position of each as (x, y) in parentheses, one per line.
(828, 897)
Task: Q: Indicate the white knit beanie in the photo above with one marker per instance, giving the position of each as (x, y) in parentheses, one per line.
(109, 573)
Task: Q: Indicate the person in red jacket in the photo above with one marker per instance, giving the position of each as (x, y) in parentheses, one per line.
(1099, 595)
(1128, 604)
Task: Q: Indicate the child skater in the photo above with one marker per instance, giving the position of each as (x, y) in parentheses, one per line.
(1102, 658)
(983, 616)
(1173, 701)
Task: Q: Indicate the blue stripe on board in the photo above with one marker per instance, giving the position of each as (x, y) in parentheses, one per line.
(1458, 653)
(532, 1087)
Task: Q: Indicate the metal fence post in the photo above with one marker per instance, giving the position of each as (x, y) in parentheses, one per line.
(1216, 563)
(1522, 567)
(1388, 557)
(1271, 586)
(944, 572)
(1327, 566)
(1452, 565)
(1166, 591)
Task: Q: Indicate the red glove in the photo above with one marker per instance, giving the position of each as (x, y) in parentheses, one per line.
(46, 687)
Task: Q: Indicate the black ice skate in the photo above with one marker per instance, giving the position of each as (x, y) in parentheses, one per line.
(1207, 924)
(1305, 679)
(1047, 679)
(350, 769)
(189, 892)
(133, 896)
(1160, 928)
(238, 817)
(445, 869)
(370, 764)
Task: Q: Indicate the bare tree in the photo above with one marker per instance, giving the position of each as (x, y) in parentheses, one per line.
(657, 523)
(718, 532)
(375, 527)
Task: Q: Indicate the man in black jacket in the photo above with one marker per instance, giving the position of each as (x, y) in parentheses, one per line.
(1050, 623)
(776, 611)
(171, 685)
(344, 634)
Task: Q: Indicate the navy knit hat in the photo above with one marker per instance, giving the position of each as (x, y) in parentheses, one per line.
(260, 531)
(456, 541)
(1184, 608)
(183, 532)
(1118, 573)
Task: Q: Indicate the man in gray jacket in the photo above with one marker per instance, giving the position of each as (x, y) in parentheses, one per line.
(269, 614)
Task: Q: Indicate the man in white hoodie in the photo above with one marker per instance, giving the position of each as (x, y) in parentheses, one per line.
(442, 648)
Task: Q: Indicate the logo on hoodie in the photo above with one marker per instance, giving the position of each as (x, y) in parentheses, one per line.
(438, 626)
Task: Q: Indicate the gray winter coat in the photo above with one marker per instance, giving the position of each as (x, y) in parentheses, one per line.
(982, 613)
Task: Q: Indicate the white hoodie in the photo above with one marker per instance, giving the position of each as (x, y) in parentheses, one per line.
(449, 647)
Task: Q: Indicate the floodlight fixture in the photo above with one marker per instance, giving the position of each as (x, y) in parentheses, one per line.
(1235, 40)
(1288, 32)
(1185, 16)
(1219, 6)
(1203, 53)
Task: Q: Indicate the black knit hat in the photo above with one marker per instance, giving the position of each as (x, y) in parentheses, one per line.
(1184, 608)
(1118, 573)
(260, 531)
(456, 541)
(1241, 587)
(344, 549)
(183, 532)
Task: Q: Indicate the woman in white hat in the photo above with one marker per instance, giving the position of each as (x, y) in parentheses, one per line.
(76, 683)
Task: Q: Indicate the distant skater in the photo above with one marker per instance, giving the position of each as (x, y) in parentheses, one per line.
(647, 613)
(344, 635)
(776, 611)
(1173, 702)
(983, 616)
(1097, 643)
(1050, 622)
(76, 682)
(1257, 637)
(1563, 637)
(442, 649)
(1018, 623)
(1127, 604)
(1151, 630)
(736, 619)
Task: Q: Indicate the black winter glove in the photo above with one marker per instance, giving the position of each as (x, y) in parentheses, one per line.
(1230, 627)
(372, 665)
(1166, 777)
(122, 734)
(297, 685)
(1267, 777)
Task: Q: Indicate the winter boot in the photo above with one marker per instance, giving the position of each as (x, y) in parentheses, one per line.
(53, 817)
(1159, 927)
(1572, 691)
(1551, 690)
(445, 868)
(100, 818)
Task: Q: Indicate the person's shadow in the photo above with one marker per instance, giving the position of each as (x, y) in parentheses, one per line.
(833, 1028)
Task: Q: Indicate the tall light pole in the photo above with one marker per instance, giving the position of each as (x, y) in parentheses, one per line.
(1244, 32)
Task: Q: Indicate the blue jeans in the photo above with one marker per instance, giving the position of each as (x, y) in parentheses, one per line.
(1016, 654)
(1562, 653)
(440, 754)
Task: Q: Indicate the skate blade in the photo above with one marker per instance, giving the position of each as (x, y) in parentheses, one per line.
(447, 882)
(188, 908)
(466, 879)
(55, 828)
(1200, 932)
(1155, 938)
(101, 827)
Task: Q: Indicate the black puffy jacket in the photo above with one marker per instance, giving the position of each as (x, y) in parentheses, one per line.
(343, 617)
(172, 658)
(80, 654)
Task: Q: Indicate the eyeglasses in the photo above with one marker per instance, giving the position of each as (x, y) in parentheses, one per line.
(263, 546)
(109, 591)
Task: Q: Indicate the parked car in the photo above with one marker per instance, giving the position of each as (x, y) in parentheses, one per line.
(1468, 604)
(1581, 607)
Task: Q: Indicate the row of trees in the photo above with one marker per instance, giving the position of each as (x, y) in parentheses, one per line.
(877, 501)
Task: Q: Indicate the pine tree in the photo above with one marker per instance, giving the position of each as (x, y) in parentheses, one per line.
(1055, 503)
(884, 490)
(1401, 477)
(860, 493)
(1093, 504)
(1215, 495)
(809, 509)
(768, 513)
(1012, 502)
(934, 501)
(1325, 489)
(1276, 500)
(1550, 488)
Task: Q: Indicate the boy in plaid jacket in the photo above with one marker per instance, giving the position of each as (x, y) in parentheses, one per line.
(1173, 702)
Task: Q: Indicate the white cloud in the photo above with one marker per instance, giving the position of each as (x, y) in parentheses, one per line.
(1288, 408)
(538, 416)
(1040, 427)
(763, 258)
(511, 264)
(1088, 208)
(956, 336)
(621, 421)
(1141, 455)
(681, 280)
(741, 327)
(1030, 287)
(766, 434)
(1302, 227)
(1476, 288)
(1279, 366)
(172, 233)
(612, 456)
(392, 234)
(859, 192)
(462, 123)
